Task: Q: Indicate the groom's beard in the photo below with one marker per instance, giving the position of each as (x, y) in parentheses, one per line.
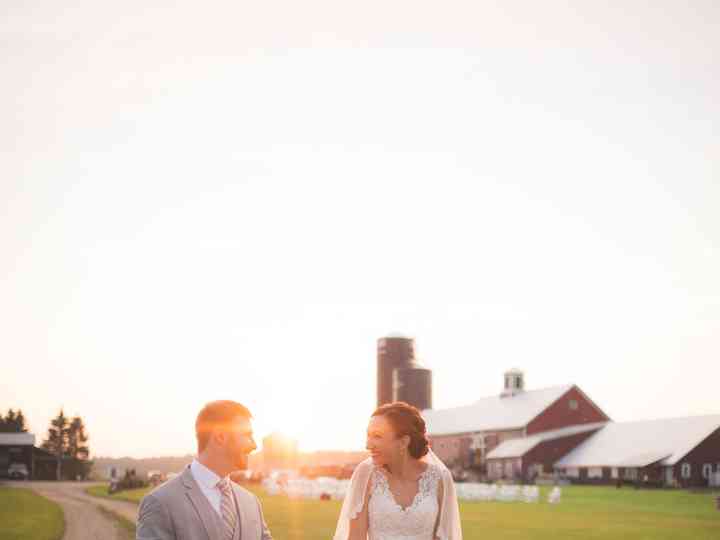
(241, 462)
(238, 459)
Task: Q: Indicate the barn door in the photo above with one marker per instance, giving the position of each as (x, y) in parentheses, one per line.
(668, 476)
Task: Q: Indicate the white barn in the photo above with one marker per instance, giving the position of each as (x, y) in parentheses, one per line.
(669, 451)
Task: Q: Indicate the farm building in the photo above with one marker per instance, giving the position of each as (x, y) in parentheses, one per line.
(465, 437)
(527, 457)
(673, 452)
(520, 434)
(18, 452)
(16, 449)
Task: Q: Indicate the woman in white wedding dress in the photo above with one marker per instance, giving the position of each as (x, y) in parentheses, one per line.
(402, 491)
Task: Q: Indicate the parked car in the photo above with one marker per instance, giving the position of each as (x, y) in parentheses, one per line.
(155, 478)
(18, 471)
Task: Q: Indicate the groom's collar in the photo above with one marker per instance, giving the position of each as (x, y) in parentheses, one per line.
(205, 477)
(187, 478)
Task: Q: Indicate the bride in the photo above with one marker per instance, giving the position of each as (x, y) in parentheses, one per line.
(402, 491)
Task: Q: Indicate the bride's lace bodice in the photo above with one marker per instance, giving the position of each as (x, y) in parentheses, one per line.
(389, 521)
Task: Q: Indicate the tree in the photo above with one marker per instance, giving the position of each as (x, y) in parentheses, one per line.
(76, 439)
(78, 450)
(20, 422)
(57, 440)
(67, 440)
(13, 422)
(10, 420)
(7, 422)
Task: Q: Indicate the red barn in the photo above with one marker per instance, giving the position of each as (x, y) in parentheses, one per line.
(465, 437)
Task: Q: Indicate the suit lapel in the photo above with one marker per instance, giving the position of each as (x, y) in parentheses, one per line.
(247, 510)
(201, 504)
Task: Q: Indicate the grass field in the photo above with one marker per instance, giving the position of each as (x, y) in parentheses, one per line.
(131, 495)
(596, 513)
(27, 516)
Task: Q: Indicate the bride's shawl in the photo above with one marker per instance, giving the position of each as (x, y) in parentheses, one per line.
(449, 525)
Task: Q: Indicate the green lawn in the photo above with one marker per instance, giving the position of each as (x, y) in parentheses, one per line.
(27, 516)
(602, 513)
(131, 495)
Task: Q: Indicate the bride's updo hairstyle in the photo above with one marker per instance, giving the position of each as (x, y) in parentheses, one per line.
(406, 420)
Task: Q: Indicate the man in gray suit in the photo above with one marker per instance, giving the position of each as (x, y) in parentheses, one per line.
(202, 503)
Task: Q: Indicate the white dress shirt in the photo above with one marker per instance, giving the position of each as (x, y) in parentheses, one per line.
(207, 480)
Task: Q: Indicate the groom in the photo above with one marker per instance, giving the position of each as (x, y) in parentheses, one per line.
(202, 503)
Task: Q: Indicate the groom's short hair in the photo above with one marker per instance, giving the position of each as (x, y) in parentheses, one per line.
(217, 415)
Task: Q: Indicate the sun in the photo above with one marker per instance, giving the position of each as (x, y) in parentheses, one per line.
(286, 425)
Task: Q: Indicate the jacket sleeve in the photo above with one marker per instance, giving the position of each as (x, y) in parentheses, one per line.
(154, 521)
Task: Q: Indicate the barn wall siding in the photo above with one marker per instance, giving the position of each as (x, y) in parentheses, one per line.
(559, 414)
(708, 451)
(547, 453)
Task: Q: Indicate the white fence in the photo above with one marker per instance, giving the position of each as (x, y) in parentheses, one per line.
(332, 488)
(304, 488)
(503, 493)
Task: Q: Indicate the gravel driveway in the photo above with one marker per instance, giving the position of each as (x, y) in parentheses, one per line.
(83, 519)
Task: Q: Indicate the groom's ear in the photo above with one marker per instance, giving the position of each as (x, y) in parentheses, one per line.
(218, 436)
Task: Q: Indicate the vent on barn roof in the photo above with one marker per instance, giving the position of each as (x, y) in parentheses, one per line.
(514, 383)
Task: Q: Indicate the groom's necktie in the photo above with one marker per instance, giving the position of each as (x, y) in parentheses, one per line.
(227, 509)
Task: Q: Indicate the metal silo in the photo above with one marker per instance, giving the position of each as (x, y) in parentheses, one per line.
(413, 385)
(393, 352)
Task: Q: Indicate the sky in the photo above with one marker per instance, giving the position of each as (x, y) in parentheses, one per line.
(235, 200)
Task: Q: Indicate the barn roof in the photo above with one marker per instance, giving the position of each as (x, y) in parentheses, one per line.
(20, 439)
(637, 444)
(519, 447)
(493, 413)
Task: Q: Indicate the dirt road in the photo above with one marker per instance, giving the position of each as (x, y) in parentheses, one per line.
(83, 519)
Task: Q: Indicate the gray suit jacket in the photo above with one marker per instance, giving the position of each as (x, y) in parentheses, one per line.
(179, 510)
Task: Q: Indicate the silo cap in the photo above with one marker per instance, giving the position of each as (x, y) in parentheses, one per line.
(397, 335)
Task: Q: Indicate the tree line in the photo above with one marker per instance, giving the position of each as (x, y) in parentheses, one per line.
(13, 422)
(66, 439)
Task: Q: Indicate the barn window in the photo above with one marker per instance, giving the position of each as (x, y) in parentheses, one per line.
(686, 470)
(614, 472)
(707, 469)
(573, 404)
(595, 472)
(572, 472)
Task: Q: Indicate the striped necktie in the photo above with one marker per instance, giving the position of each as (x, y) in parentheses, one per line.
(227, 509)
